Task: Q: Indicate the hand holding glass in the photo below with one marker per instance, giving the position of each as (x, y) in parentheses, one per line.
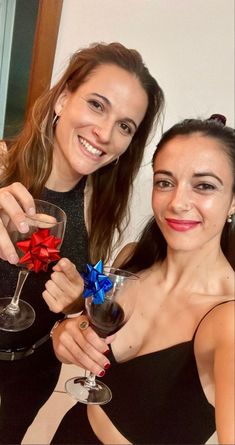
(36, 249)
(105, 318)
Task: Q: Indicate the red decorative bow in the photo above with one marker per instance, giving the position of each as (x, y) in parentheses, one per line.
(39, 250)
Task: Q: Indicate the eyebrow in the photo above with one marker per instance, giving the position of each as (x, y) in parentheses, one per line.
(196, 175)
(163, 172)
(107, 101)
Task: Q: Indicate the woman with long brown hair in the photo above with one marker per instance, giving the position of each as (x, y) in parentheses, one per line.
(81, 149)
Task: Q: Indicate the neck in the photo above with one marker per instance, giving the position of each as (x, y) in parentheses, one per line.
(62, 177)
(200, 271)
(60, 183)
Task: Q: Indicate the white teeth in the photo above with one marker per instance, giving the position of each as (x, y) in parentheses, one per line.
(90, 148)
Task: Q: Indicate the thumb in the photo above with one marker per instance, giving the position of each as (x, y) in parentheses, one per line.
(68, 268)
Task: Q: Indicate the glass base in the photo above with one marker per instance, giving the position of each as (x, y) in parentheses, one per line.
(81, 390)
(15, 321)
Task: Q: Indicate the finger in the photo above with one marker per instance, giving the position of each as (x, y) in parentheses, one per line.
(90, 342)
(19, 194)
(41, 220)
(15, 213)
(60, 285)
(75, 349)
(54, 305)
(7, 251)
(58, 299)
(73, 353)
(69, 269)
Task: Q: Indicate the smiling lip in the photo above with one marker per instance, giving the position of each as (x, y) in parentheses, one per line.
(89, 149)
(181, 225)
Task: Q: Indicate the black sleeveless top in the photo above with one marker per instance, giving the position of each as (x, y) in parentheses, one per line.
(158, 397)
(74, 247)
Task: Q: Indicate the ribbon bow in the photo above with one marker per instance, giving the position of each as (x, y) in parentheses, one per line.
(96, 283)
(39, 250)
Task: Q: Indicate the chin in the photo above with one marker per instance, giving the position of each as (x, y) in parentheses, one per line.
(85, 170)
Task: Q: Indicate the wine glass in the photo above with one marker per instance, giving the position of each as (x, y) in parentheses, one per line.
(106, 317)
(36, 249)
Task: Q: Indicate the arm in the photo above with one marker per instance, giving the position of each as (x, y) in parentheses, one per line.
(63, 292)
(224, 372)
(71, 345)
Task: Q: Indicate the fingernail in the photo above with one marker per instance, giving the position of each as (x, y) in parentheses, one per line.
(13, 259)
(101, 373)
(107, 352)
(107, 366)
(24, 227)
(31, 211)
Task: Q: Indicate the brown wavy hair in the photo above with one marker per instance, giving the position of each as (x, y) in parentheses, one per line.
(152, 246)
(30, 153)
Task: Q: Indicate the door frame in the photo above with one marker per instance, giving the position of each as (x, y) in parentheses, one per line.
(45, 40)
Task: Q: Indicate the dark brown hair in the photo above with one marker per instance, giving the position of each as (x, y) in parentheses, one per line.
(152, 246)
(29, 158)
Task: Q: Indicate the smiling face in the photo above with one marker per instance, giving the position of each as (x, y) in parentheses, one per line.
(97, 122)
(192, 192)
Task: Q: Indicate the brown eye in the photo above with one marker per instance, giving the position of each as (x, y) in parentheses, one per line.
(93, 104)
(163, 184)
(205, 186)
(125, 128)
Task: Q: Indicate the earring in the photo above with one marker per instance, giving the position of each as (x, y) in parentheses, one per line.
(116, 162)
(229, 218)
(55, 120)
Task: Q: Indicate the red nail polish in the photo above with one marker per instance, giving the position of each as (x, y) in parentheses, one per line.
(107, 352)
(107, 366)
(101, 374)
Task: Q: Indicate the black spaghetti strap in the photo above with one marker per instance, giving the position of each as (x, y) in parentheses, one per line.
(210, 310)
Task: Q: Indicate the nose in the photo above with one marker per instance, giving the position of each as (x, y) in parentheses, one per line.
(181, 200)
(103, 131)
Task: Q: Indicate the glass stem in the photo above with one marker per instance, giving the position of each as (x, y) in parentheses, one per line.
(14, 304)
(90, 380)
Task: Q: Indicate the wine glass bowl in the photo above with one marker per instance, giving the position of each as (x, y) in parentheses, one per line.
(105, 317)
(108, 317)
(36, 249)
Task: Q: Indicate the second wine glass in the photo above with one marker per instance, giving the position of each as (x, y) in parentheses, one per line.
(106, 318)
(36, 249)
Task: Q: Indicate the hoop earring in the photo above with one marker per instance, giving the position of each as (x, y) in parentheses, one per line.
(229, 219)
(55, 120)
(117, 161)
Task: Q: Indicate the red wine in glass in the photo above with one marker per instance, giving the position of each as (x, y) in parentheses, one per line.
(105, 318)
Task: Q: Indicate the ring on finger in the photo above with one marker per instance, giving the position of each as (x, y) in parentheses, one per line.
(83, 325)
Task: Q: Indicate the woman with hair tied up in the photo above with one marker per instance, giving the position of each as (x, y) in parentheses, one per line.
(171, 366)
(81, 148)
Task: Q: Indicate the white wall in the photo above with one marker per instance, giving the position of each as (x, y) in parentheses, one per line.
(188, 45)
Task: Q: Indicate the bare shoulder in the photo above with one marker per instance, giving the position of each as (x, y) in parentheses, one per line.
(3, 147)
(217, 329)
(223, 321)
(214, 352)
(124, 254)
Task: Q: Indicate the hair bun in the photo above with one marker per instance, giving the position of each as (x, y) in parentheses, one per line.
(220, 118)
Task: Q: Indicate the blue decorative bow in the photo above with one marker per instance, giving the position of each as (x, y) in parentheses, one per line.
(96, 284)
